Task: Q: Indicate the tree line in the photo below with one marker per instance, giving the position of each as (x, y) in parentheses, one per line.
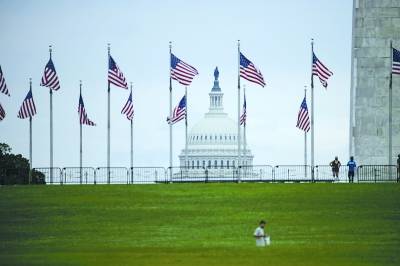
(14, 168)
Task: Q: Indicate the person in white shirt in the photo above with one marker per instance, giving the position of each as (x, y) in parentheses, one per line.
(262, 239)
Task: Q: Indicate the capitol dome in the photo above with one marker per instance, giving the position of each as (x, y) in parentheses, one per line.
(213, 141)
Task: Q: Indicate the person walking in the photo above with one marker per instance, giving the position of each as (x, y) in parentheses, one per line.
(335, 164)
(262, 239)
(352, 168)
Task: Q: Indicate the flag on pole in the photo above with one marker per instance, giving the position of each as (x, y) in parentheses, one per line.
(3, 86)
(179, 112)
(128, 108)
(181, 71)
(250, 72)
(303, 119)
(28, 108)
(244, 113)
(321, 71)
(396, 62)
(83, 118)
(2, 113)
(50, 78)
(115, 75)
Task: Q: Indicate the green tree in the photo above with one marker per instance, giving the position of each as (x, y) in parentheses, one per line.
(14, 168)
(4, 149)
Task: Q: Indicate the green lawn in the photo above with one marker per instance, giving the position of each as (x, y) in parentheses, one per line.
(200, 224)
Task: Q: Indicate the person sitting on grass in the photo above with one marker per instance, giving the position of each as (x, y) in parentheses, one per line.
(261, 238)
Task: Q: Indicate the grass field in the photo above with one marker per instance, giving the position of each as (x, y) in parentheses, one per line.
(200, 224)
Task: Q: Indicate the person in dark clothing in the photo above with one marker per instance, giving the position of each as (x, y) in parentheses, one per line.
(352, 168)
(335, 164)
(398, 168)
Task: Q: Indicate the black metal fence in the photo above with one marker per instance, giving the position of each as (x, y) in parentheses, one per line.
(254, 173)
(378, 173)
(77, 175)
(51, 175)
(205, 175)
(147, 175)
(292, 173)
(112, 175)
(324, 173)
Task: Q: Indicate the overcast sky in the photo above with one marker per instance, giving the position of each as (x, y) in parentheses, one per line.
(275, 35)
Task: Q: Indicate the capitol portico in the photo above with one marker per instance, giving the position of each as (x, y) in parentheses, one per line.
(213, 141)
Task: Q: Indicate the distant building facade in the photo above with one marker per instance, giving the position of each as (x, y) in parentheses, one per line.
(213, 141)
(375, 24)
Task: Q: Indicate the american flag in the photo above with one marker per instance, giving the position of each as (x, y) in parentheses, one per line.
(179, 112)
(244, 113)
(2, 113)
(321, 71)
(250, 72)
(83, 119)
(396, 62)
(28, 108)
(128, 108)
(3, 86)
(50, 78)
(115, 76)
(182, 72)
(303, 119)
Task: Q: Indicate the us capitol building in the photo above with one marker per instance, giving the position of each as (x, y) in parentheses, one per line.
(213, 141)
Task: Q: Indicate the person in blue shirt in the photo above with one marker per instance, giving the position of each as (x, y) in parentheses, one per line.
(352, 168)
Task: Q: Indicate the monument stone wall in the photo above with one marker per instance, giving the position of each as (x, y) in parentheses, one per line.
(375, 24)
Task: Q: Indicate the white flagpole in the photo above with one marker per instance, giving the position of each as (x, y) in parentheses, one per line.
(51, 128)
(244, 130)
(305, 140)
(244, 126)
(108, 122)
(186, 132)
(30, 140)
(391, 110)
(170, 113)
(238, 159)
(131, 144)
(80, 138)
(312, 113)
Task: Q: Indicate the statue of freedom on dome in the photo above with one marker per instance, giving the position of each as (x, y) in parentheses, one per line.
(216, 73)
